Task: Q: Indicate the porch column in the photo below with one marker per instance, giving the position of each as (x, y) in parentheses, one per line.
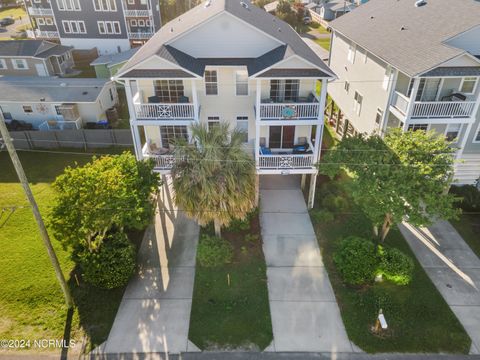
(411, 104)
(382, 127)
(257, 122)
(128, 95)
(195, 100)
(320, 122)
(257, 189)
(468, 130)
(311, 190)
(136, 140)
(302, 183)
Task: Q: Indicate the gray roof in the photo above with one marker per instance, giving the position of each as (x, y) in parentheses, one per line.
(453, 71)
(253, 15)
(31, 48)
(339, 6)
(377, 26)
(115, 59)
(297, 73)
(160, 73)
(51, 89)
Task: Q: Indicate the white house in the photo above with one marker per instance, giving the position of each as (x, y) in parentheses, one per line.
(414, 65)
(227, 60)
(56, 103)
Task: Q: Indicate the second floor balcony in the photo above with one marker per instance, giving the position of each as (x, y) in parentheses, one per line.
(157, 110)
(36, 11)
(137, 13)
(140, 35)
(301, 108)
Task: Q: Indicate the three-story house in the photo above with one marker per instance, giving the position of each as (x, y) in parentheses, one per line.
(227, 60)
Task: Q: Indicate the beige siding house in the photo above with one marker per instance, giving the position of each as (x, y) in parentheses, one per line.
(414, 67)
(229, 61)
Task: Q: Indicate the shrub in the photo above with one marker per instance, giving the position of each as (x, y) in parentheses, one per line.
(470, 197)
(356, 260)
(213, 251)
(395, 266)
(252, 238)
(111, 264)
(321, 216)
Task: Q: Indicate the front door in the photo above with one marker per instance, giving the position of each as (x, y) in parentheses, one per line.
(41, 70)
(281, 137)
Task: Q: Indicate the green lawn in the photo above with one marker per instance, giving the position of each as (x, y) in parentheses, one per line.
(123, 114)
(325, 43)
(468, 226)
(235, 315)
(31, 302)
(13, 12)
(418, 317)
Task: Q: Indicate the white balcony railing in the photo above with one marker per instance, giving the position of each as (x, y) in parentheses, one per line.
(288, 161)
(289, 111)
(165, 111)
(443, 109)
(43, 34)
(137, 13)
(140, 35)
(40, 11)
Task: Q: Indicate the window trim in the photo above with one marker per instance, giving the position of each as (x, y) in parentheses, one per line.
(413, 125)
(352, 51)
(381, 113)
(141, 21)
(475, 135)
(242, 118)
(346, 86)
(27, 106)
(455, 141)
(474, 86)
(212, 119)
(64, 6)
(18, 68)
(79, 24)
(48, 21)
(357, 106)
(133, 22)
(40, 21)
(242, 83)
(3, 64)
(100, 7)
(210, 82)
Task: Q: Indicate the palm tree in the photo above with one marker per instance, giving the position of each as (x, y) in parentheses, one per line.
(214, 179)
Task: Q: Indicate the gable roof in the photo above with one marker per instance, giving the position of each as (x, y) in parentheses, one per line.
(114, 59)
(377, 26)
(31, 48)
(256, 17)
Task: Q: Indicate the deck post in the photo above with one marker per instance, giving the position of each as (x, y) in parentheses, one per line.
(311, 191)
(257, 189)
(302, 183)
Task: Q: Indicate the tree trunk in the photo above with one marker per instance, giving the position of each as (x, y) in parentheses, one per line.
(387, 223)
(218, 228)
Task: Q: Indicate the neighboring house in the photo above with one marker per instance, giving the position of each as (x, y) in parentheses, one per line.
(56, 103)
(414, 67)
(109, 25)
(259, 76)
(34, 58)
(107, 66)
(271, 7)
(330, 10)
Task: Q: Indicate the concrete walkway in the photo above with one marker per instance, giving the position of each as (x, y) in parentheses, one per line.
(453, 268)
(305, 315)
(154, 314)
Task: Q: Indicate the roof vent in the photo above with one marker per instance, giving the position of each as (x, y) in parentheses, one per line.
(208, 3)
(372, 17)
(171, 29)
(85, 93)
(63, 84)
(42, 99)
(403, 28)
(420, 3)
(244, 4)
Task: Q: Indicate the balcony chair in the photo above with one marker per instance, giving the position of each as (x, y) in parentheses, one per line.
(153, 149)
(183, 100)
(264, 150)
(153, 99)
(302, 146)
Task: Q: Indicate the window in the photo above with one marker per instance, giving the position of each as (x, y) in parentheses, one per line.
(40, 21)
(20, 64)
(74, 27)
(241, 82)
(387, 77)
(169, 91)
(242, 125)
(141, 23)
(133, 22)
(378, 117)
(346, 86)
(352, 49)
(58, 110)
(110, 91)
(468, 85)
(452, 131)
(27, 109)
(3, 64)
(131, 2)
(284, 90)
(148, 23)
(477, 136)
(109, 27)
(213, 121)
(357, 103)
(104, 5)
(68, 5)
(171, 133)
(416, 127)
(49, 21)
(211, 85)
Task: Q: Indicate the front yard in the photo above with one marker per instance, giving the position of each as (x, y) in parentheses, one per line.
(31, 302)
(230, 306)
(419, 320)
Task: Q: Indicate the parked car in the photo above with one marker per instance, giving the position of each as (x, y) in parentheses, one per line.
(307, 20)
(18, 125)
(7, 21)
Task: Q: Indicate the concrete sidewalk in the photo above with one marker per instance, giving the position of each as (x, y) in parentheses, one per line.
(453, 268)
(305, 315)
(154, 314)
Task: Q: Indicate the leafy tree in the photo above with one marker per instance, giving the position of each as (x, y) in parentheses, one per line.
(111, 191)
(214, 180)
(285, 12)
(404, 176)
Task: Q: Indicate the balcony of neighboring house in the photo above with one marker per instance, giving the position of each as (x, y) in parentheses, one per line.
(165, 100)
(140, 35)
(67, 118)
(37, 11)
(289, 99)
(137, 13)
(40, 34)
(435, 98)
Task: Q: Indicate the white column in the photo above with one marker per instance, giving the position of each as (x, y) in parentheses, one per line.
(136, 140)
(195, 100)
(411, 104)
(384, 122)
(469, 128)
(320, 122)
(257, 122)
(311, 191)
(129, 96)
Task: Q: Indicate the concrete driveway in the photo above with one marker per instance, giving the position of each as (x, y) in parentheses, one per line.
(305, 315)
(154, 314)
(453, 268)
